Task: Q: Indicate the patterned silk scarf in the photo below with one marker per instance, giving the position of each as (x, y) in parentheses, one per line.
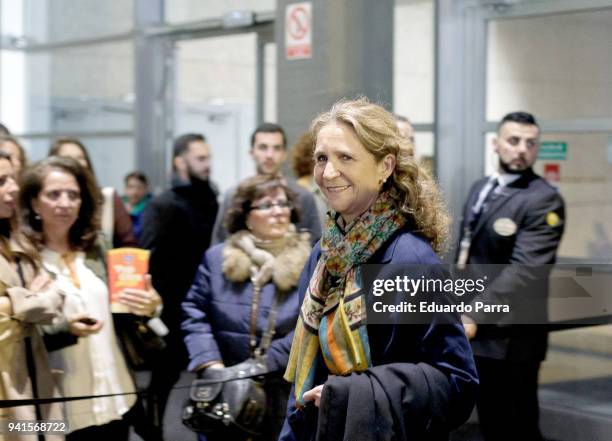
(333, 314)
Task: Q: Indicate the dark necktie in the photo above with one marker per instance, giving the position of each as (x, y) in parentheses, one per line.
(491, 196)
(479, 209)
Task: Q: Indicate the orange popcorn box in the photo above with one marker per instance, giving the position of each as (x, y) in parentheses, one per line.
(127, 268)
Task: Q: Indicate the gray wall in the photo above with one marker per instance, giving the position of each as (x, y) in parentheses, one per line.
(352, 55)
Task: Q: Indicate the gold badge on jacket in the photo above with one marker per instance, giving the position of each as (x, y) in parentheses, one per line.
(504, 226)
(552, 219)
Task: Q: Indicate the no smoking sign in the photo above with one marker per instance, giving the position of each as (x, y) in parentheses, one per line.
(298, 31)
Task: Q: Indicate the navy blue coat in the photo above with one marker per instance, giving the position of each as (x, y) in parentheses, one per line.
(217, 317)
(437, 357)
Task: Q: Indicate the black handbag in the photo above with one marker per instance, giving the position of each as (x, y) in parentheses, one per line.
(233, 399)
(141, 345)
(225, 398)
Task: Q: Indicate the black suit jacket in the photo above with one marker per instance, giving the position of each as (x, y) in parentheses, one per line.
(176, 227)
(521, 229)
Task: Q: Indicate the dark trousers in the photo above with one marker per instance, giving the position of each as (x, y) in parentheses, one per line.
(117, 430)
(508, 400)
(136, 417)
(165, 373)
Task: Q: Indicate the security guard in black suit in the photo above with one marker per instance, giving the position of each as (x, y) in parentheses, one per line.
(514, 218)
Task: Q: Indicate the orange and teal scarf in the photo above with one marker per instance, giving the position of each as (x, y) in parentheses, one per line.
(333, 314)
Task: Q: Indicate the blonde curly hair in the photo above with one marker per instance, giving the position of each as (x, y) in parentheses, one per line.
(415, 191)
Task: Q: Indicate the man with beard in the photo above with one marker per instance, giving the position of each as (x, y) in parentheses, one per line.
(514, 218)
(268, 150)
(176, 227)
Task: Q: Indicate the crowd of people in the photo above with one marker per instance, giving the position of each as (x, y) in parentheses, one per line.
(260, 289)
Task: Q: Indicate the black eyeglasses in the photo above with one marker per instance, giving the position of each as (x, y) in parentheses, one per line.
(266, 206)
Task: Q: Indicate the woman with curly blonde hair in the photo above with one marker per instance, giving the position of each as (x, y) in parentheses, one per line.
(373, 381)
(410, 184)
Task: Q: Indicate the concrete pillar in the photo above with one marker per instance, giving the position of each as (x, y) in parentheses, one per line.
(150, 88)
(460, 100)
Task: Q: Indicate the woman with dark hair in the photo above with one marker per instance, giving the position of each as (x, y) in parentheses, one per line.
(116, 222)
(245, 289)
(59, 208)
(373, 381)
(15, 150)
(27, 299)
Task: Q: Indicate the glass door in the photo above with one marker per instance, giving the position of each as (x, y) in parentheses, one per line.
(559, 67)
(552, 59)
(222, 83)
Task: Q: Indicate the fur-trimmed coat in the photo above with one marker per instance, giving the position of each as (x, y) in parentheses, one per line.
(217, 308)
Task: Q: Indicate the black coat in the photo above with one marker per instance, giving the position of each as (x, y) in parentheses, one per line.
(176, 227)
(368, 406)
(521, 229)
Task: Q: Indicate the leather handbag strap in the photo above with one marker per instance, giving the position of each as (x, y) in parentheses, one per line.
(266, 339)
(20, 272)
(31, 365)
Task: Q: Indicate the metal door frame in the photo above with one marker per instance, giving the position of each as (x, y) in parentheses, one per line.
(155, 79)
(461, 60)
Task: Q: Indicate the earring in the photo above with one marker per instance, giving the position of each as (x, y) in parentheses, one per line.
(37, 217)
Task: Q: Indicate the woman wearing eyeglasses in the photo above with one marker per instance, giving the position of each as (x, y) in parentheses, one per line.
(244, 284)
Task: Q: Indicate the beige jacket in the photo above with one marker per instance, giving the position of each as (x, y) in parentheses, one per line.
(15, 381)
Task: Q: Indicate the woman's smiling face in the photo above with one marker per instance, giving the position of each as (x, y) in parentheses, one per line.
(346, 172)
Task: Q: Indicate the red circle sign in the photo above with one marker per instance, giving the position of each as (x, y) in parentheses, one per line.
(298, 23)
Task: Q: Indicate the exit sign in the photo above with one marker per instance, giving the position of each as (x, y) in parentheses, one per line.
(553, 150)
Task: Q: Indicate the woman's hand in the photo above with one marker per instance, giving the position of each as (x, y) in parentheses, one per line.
(469, 326)
(40, 282)
(212, 365)
(83, 325)
(142, 302)
(314, 394)
(216, 365)
(33, 306)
